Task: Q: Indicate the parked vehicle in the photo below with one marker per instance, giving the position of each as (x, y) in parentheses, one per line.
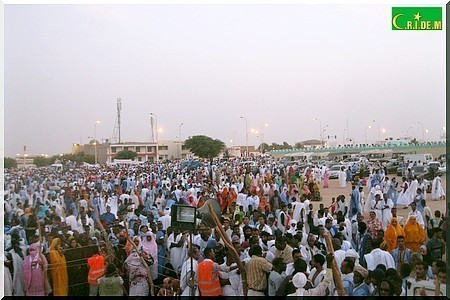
(420, 171)
(423, 158)
(437, 166)
(377, 155)
(298, 156)
(334, 171)
(392, 166)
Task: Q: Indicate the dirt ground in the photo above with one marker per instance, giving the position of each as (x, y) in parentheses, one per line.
(334, 190)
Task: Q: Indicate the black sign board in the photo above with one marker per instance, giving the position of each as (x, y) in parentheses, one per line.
(183, 216)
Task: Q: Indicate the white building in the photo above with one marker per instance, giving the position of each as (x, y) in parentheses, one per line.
(150, 151)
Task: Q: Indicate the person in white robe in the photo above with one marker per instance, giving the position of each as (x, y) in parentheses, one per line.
(112, 202)
(377, 205)
(377, 257)
(386, 206)
(403, 196)
(413, 189)
(298, 210)
(194, 254)
(299, 280)
(18, 282)
(235, 287)
(342, 176)
(362, 199)
(166, 219)
(417, 214)
(317, 174)
(370, 199)
(437, 192)
(7, 281)
(177, 243)
(339, 254)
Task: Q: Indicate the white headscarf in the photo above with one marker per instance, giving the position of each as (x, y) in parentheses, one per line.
(299, 280)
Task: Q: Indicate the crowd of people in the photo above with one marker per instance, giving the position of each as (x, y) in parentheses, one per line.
(108, 231)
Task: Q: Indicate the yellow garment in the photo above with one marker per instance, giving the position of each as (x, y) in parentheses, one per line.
(414, 235)
(391, 234)
(59, 270)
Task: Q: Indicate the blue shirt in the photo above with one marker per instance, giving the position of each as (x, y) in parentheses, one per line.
(42, 210)
(348, 285)
(109, 217)
(361, 290)
(170, 203)
(419, 206)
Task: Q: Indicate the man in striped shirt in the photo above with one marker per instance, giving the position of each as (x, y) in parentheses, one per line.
(257, 268)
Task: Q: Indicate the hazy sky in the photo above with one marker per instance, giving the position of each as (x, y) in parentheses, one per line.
(207, 65)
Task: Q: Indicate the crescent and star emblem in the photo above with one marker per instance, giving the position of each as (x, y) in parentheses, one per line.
(394, 21)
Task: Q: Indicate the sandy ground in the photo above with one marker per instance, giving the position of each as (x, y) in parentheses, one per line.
(334, 190)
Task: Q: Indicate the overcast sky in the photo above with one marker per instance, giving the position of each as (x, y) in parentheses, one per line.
(207, 65)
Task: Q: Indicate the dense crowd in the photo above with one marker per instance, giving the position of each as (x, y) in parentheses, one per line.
(107, 231)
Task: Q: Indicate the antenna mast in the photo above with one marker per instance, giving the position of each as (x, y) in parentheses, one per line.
(152, 122)
(116, 133)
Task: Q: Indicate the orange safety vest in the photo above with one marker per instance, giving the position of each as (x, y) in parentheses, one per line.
(96, 268)
(208, 283)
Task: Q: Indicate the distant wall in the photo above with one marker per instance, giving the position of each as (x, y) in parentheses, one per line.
(434, 149)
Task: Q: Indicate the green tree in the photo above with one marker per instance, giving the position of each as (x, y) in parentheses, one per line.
(264, 147)
(286, 145)
(81, 157)
(9, 163)
(414, 141)
(204, 146)
(126, 154)
(41, 161)
(298, 145)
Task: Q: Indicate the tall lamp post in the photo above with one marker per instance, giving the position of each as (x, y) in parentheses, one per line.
(343, 136)
(157, 141)
(179, 138)
(232, 141)
(423, 134)
(246, 135)
(323, 131)
(262, 137)
(95, 140)
(365, 135)
(24, 156)
(407, 132)
(320, 127)
(379, 131)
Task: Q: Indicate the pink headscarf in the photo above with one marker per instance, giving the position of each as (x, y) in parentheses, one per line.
(28, 267)
(150, 246)
(191, 200)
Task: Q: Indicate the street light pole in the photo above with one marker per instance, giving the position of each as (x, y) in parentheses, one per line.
(232, 145)
(179, 138)
(320, 127)
(379, 131)
(407, 132)
(246, 135)
(368, 127)
(423, 134)
(95, 140)
(323, 132)
(157, 141)
(262, 137)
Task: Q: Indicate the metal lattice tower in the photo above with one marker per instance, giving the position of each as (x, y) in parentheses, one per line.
(116, 131)
(152, 132)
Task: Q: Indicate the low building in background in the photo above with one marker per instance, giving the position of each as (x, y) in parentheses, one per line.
(146, 151)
